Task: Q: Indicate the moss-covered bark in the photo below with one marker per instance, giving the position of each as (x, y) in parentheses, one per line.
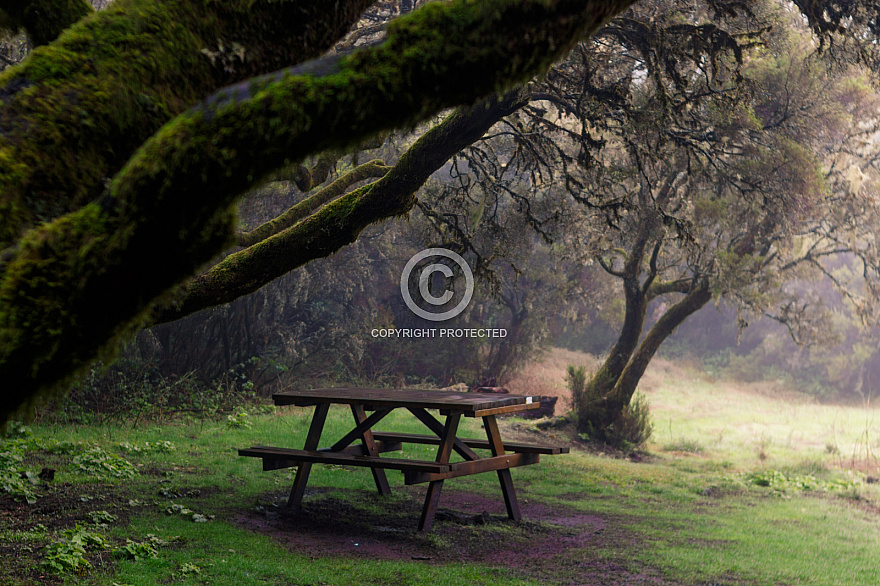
(612, 386)
(307, 206)
(696, 298)
(611, 389)
(75, 285)
(73, 113)
(340, 222)
(42, 20)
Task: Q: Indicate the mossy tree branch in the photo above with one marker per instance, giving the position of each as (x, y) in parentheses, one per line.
(307, 206)
(246, 271)
(75, 110)
(76, 286)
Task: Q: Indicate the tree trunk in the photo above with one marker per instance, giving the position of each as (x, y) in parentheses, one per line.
(590, 407)
(590, 404)
(638, 363)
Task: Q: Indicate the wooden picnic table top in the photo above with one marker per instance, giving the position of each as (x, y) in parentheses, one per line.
(467, 403)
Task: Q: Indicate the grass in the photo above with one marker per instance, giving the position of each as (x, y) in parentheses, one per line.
(758, 423)
(226, 554)
(739, 487)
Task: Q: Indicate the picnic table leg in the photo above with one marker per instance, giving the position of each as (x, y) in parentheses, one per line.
(370, 446)
(302, 472)
(447, 441)
(503, 475)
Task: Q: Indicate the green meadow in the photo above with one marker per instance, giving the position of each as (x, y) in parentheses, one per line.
(741, 484)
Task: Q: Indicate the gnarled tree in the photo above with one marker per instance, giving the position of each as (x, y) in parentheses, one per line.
(705, 163)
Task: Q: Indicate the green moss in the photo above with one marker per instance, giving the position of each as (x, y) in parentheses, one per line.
(77, 109)
(296, 213)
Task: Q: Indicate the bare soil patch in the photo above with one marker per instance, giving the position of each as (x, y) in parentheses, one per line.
(60, 506)
(64, 505)
(556, 545)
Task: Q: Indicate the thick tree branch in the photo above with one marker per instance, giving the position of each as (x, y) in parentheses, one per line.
(74, 111)
(666, 287)
(699, 295)
(307, 206)
(393, 195)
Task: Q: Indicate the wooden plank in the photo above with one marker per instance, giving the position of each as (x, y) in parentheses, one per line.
(500, 463)
(362, 427)
(467, 403)
(294, 501)
(478, 444)
(499, 410)
(497, 447)
(434, 425)
(447, 443)
(535, 404)
(358, 450)
(343, 459)
(429, 509)
(370, 449)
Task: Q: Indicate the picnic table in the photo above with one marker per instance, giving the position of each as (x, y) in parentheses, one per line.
(453, 405)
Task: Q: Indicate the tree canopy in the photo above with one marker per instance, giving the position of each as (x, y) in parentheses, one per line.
(692, 156)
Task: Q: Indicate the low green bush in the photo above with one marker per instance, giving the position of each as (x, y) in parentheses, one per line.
(629, 430)
(68, 555)
(633, 427)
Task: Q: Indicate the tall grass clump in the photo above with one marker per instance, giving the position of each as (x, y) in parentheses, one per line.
(629, 429)
(576, 380)
(633, 427)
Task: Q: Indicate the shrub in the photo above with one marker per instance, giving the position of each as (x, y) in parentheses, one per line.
(100, 463)
(576, 380)
(633, 427)
(628, 430)
(14, 481)
(137, 550)
(134, 390)
(68, 554)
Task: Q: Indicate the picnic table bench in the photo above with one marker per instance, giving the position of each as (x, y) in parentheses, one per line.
(452, 405)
